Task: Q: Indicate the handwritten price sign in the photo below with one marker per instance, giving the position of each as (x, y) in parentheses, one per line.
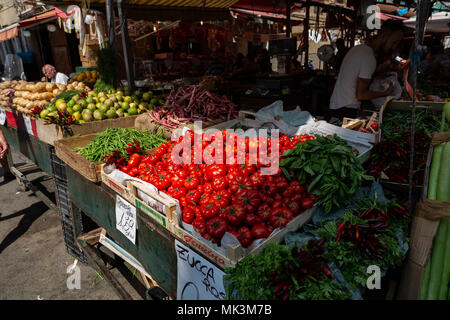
(2, 117)
(198, 279)
(126, 218)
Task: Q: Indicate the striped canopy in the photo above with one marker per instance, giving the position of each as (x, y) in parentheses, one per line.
(163, 3)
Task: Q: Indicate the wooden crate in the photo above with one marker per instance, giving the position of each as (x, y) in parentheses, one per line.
(49, 133)
(162, 209)
(403, 106)
(64, 150)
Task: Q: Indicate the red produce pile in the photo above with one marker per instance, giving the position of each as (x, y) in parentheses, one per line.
(219, 198)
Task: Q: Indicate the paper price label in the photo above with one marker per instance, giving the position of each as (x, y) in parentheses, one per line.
(126, 218)
(28, 125)
(2, 117)
(198, 279)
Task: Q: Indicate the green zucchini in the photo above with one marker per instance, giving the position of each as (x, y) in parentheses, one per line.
(437, 262)
(425, 281)
(447, 111)
(443, 185)
(434, 171)
(446, 262)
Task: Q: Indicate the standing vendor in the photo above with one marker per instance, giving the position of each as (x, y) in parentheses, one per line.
(51, 75)
(357, 69)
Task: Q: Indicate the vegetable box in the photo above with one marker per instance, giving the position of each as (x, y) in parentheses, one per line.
(405, 106)
(64, 150)
(423, 231)
(162, 209)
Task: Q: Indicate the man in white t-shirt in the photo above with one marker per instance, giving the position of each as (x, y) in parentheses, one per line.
(55, 77)
(358, 67)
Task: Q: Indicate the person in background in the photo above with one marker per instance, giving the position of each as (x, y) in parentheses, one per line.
(50, 75)
(250, 69)
(263, 59)
(342, 50)
(238, 64)
(4, 147)
(358, 67)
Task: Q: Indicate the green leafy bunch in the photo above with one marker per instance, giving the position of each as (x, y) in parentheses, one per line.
(329, 166)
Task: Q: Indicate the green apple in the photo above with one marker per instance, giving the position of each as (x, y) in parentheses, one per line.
(111, 113)
(146, 96)
(87, 115)
(127, 99)
(91, 107)
(132, 111)
(98, 114)
(125, 105)
(119, 112)
(77, 107)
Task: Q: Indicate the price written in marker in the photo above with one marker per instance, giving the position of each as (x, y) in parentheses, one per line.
(28, 125)
(198, 279)
(2, 117)
(126, 218)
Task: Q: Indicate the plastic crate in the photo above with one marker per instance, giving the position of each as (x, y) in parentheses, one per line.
(65, 207)
(58, 166)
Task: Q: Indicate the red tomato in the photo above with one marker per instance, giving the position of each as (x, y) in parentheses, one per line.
(219, 183)
(245, 237)
(191, 183)
(260, 231)
(307, 203)
(209, 210)
(235, 214)
(188, 215)
(252, 219)
(216, 227)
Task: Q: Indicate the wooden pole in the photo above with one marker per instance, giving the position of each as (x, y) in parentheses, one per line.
(306, 33)
(127, 55)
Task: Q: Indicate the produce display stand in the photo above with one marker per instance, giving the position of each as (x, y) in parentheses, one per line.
(155, 235)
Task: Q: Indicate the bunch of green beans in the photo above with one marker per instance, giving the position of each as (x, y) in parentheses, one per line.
(394, 123)
(118, 139)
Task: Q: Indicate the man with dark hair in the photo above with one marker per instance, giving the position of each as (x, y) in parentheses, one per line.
(358, 67)
(340, 54)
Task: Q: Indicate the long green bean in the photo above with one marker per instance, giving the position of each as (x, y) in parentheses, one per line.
(118, 139)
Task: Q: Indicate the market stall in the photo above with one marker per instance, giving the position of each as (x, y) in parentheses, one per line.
(218, 213)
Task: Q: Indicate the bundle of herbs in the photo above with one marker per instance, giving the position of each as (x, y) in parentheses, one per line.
(329, 166)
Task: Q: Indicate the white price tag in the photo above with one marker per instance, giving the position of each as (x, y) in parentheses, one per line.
(28, 125)
(2, 117)
(198, 279)
(126, 218)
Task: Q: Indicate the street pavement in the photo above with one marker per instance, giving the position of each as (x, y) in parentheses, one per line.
(33, 257)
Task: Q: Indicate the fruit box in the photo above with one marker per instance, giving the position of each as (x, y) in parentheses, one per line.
(49, 133)
(164, 210)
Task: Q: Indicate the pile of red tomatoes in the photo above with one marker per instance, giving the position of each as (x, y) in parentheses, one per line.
(219, 198)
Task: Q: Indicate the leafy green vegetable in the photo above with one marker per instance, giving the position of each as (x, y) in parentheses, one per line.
(330, 168)
(251, 275)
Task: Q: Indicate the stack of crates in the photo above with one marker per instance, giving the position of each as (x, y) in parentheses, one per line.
(65, 207)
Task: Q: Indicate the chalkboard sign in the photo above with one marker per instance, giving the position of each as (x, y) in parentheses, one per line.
(283, 46)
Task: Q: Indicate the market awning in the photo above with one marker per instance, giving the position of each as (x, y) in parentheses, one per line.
(438, 22)
(44, 17)
(161, 3)
(384, 16)
(9, 32)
